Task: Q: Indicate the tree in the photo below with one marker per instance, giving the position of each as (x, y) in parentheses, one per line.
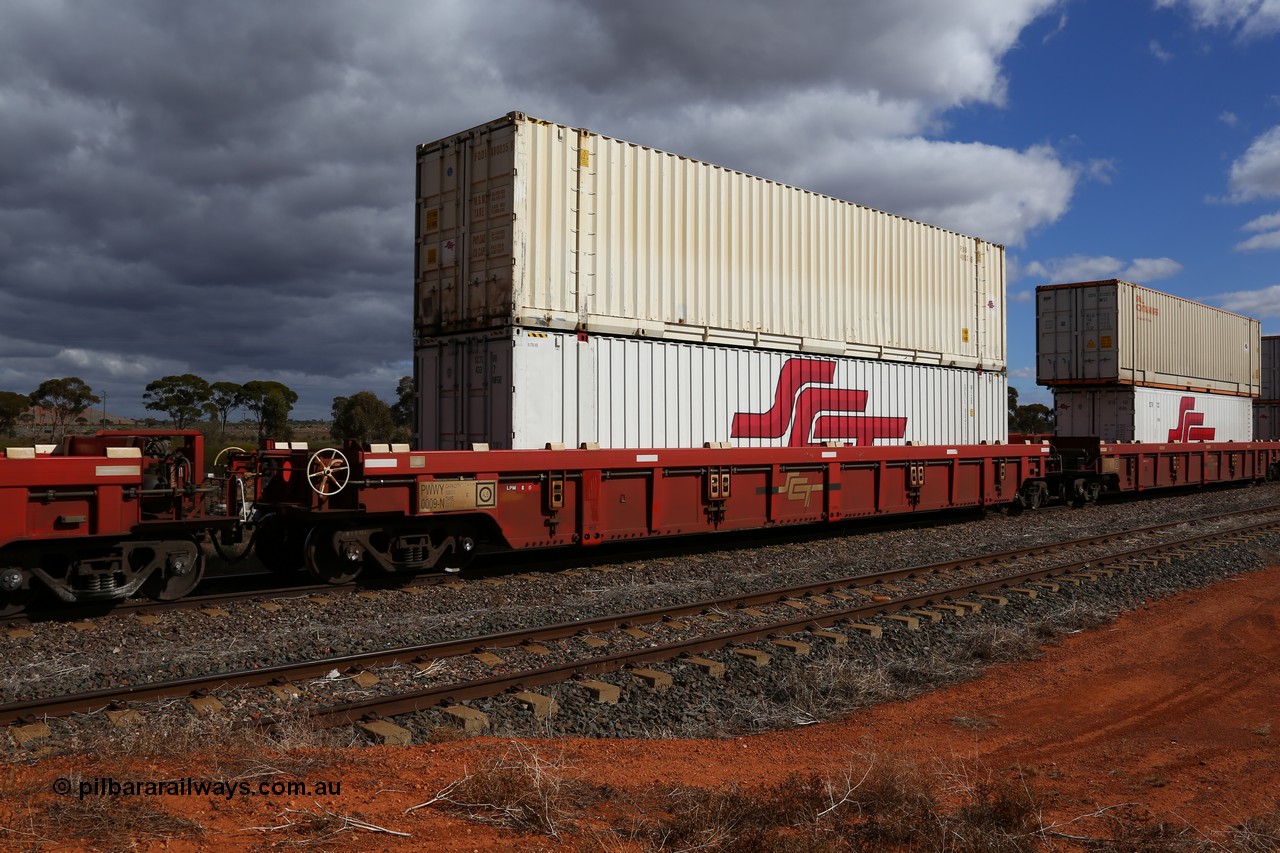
(1031, 419)
(66, 399)
(1034, 419)
(182, 398)
(362, 417)
(270, 403)
(225, 398)
(12, 407)
(403, 408)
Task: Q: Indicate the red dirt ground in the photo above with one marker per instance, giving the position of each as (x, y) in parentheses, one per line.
(1171, 707)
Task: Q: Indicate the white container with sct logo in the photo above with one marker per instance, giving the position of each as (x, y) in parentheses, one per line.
(520, 388)
(1152, 415)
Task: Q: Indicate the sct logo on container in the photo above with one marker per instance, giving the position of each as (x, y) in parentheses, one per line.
(809, 409)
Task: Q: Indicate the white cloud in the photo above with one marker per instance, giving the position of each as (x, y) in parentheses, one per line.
(1264, 223)
(1256, 174)
(996, 193)
(1159, 52)
(1023, 297)
(1260, 242)
(1252, 303)
(1150, 269)
(1062, 25)
(171, 178)
(1100, 170)
(1247, 18)
(1096, 268)
(1229, 118)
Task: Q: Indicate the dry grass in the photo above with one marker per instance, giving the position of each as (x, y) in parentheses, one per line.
(519, 789)
(878, 804)
(886, 806)
(1260, 834)
(40, 820)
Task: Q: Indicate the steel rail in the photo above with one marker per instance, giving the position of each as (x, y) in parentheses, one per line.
(202, 685)
(404, 703)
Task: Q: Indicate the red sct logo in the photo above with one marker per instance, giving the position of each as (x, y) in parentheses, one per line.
(808, 410)
(1190, 422)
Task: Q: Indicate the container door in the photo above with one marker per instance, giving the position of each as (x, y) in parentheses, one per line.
(437, 274)
(438, 397)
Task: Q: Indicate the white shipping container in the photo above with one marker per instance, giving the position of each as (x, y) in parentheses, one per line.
(1269, 388)
(1152, 415)
(1107, 332)
(523, 389)
(525, 223)
(1266, 421)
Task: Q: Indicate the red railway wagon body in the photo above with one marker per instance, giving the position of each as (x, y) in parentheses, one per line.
(1089, 466)
(99, 517)
(339, 512)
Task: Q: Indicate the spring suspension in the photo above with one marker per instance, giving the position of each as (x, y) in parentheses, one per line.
(410, 554)
(97, 582)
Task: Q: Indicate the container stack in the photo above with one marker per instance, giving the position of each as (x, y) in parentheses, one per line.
(1266, 409)
(576, 289)
(1131, 364)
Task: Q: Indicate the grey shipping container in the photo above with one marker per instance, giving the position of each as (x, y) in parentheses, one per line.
(1114, 332)
(527, 223)
(1266, 420)
(1270, 385)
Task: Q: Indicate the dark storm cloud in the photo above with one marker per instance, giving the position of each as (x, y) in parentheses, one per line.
(227, 188)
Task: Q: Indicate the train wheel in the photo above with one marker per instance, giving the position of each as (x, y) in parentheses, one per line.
(15, 601)
(325, 563)
(182, 572)
(276, 545)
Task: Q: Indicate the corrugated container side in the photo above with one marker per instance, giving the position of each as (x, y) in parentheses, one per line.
(525, 223)
(1154, 415)
(1266, 421)
(1269, 389)
(526, 388)
(1117, 332)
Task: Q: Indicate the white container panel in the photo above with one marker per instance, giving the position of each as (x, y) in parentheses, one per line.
(1152, 415)
(526, 223)
(1115, 332)
(525, 389)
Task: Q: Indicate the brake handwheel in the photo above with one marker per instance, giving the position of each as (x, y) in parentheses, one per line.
(328, 471)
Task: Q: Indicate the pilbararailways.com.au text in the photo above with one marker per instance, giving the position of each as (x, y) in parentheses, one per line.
(106, 786)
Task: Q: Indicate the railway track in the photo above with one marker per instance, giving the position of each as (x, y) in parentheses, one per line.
(628, 641)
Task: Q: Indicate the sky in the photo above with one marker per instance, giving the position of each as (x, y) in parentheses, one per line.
(226, 188)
